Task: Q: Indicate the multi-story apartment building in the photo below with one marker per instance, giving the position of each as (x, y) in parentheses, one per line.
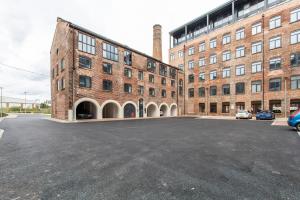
(93, 77)
(244, 54)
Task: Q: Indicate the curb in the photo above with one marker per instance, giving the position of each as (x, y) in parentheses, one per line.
(1, 133)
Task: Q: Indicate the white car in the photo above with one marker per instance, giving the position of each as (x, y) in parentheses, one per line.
(242, 114)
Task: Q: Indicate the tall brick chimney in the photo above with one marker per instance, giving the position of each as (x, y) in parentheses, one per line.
(157, 46)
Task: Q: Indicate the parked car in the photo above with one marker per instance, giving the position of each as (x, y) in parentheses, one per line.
(294, 120)
(265, 115)
(242, 114)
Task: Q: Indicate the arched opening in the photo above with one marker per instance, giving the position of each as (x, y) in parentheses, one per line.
(173, 111)
(163, 112)
(129, 111)
(86, 110)
(151, 111)
(141, 108)
(110, 110)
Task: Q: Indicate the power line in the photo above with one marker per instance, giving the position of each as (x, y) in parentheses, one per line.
(21, 69)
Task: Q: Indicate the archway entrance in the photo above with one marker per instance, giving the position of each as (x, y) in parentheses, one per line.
(141, 108)
(86, 110)
(163, 111)
(151, 110)
(110, 110)
(173, 110)
(129, 111)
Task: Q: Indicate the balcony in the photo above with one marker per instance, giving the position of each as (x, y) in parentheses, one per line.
(251, 10)
(222, 22)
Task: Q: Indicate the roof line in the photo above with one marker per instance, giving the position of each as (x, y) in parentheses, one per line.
(113, 42)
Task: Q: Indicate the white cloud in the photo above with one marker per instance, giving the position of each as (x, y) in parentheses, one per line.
(27, 29)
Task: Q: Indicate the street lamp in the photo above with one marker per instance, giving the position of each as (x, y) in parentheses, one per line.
(1, 112)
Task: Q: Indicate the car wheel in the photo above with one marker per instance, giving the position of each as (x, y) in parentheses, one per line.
(298, 127)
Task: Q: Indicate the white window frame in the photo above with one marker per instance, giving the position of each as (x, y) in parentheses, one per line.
(256, 67)
(240, 52)
(213, 43)
(226, 56)
(256, 28)
(201, 62)
(275, 22)
(202, 47)
(240, 70)
(256, 86)
(240, 34)
(191, 64)
(226, 39)
(180, 54)
(275, 42)
(201, 75)
(295, 82)
(295, 37)
(256, 47)
(191, 51)
(295, 15)
(226, 72)
(213, 75)
(213, 59)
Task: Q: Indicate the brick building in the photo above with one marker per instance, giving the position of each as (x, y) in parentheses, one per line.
(242, 55)
(93, 77)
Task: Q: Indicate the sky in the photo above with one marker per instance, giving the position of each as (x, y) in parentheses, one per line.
(27, 29)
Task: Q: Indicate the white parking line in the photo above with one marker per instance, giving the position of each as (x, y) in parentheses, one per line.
(1, 133)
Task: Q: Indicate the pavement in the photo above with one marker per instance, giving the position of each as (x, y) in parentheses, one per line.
(155, 159)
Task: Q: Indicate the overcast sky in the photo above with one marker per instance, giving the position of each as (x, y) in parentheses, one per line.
(27, 28)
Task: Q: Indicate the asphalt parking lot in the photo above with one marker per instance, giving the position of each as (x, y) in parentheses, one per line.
(178, 158)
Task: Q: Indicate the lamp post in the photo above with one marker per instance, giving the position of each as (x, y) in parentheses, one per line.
(1, 112)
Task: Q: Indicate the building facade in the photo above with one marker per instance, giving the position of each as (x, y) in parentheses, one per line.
(93, 77)
(243, 55)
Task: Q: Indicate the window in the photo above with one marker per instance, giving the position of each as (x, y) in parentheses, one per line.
(180, 54)
(127, 88)
(163, 81)
(151, 66)
(191, 78)
(275, 22)
(226, 89)
(226, 73)
(295, 37)
(202, 76)
(256, 86)
(163, 70)
(275, 63)
(240, 52)
(141, 90)
(152, 92)
(128, 58)
(86, 43)
(180, 66)
(295, 82)
(226, 39)
(275, 84)
(256, 47)
(173, 83)
(213, 90)
(172, 72)
(191, 64)
(53, 73)
(240, 88)
(213, 75)
(107, 68)
(107, 85)
(141, 75)
(58, 85)
(57, 71)
(256, 67)
(295, 15)
(151, 78)
(225, 107)
(191, 51)
(202, 47)
(110, 52)
(201, 92)
(62, 66)
(127, 72)
(213, 108)
(180, 87)
(61, 84)
(240, 70)
(275, 42)
(213, 59)
(191, 92)
(213, 43)
(163, 93)
(201, 62)
(226, 55)
(172, 56)
(173, 94)
(202, 107)
(256, 28)
(85, 62)
(295, 59)
(240, 34)
(85, 81)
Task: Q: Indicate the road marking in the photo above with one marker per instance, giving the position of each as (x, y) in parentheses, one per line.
(299, 133)
(1, 133)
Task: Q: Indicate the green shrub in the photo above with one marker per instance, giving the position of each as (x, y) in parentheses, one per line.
(3, 115)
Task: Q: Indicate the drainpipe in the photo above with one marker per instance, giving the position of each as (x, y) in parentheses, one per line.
(184, 81)
(263, 62)
(73, 74)
(285, 97)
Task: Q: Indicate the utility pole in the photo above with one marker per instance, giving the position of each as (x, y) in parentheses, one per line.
(1, 112)
(25, 93)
